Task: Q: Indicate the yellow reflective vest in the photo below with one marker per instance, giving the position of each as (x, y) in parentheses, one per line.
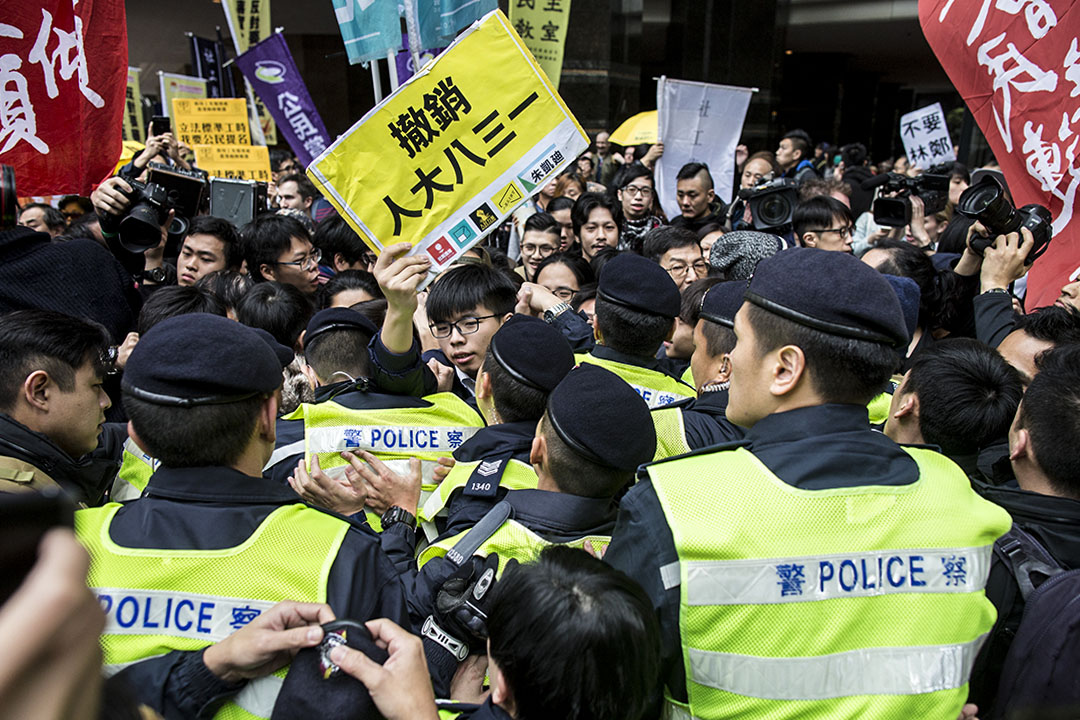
(157, 601)
(134, 473)
(655, 387)
(516, 475)
(841, 603)
(670, 432)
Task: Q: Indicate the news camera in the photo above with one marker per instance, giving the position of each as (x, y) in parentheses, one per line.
(167, 188)
(986, 202)
(895, 211)
(772, 203)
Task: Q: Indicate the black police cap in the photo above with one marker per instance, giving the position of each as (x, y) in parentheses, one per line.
(339, 318)
(832, 292)
(200, 359)
(640, 284)
(284, 354)
(722, 301)
(602, 418)
(532, 352)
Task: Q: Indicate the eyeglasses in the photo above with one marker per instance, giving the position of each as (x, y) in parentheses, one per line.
(465, 326)
(701, 268)
(541, 250)
(563, 293)
(309, 261)
(635, 190)
(845, 231)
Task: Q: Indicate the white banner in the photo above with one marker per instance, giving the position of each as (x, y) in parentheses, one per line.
(698, 122)
(926, 137)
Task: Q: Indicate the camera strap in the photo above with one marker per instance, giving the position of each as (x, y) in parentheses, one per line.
(465, 547)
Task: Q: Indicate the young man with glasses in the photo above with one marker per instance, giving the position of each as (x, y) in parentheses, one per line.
(825, 223)
(541, 239)
(465, 306)
(678, 252)
(279, 248)
(636, 194)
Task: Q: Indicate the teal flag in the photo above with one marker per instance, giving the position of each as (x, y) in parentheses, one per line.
(441, 20)
(369, 28)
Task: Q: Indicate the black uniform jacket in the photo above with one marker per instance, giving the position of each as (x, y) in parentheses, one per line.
(812, 448)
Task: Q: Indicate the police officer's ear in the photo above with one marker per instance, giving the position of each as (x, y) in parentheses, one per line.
(1020, 446)
(538, 453)
(300, 341)
(789, 374)
(266, 428)
(485, 398)
(501, 693)
(907, 406)
(309, 373)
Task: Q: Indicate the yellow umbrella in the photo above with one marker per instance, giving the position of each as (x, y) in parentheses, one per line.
(641, 128)
(130, 150)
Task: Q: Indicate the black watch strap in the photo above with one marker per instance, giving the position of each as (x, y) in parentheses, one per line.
(397, 514)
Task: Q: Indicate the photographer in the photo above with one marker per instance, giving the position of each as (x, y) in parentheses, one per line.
(163, 146)
(113, 200)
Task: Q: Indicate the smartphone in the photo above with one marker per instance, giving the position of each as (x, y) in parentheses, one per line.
(160, 124)
(24, 520)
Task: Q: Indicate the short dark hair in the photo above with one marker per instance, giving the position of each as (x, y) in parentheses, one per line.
(513, 400)
(542, 222)
(303, 186)
(574, 263)
(348, 280)
(559, 203)
(689, 171)
(800, 140)
(817, 213)
(278, 156)
(659, 240)
(602, 257)
(719, 339)
(52, 217)
(199, 436)
(46, 340)
(266, 237)
(626, 174)
(967, 395)
(339, 351)
(586, 203)
(463, 287)
(80, 227)
(631, 331)
(1050, 412)
(224, 231)
(595, 620)
(281, 310)
(575, 474)
(941, 297)
(174, 300)
(334, 236)
(842, 370)
(691, 297)
(1052, 324)
(84, 203)
(584, 293)
(228, 285)
(854, 154)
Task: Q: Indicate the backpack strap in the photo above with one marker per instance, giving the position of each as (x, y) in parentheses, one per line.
(1026, 557)
(479, 534)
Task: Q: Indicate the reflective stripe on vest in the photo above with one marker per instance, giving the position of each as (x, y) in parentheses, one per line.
(846, 602)
(511, 540)
(134, 473)
(516, 475)
(656, 388)
(388, 433)
(159, 600)
(670, 433)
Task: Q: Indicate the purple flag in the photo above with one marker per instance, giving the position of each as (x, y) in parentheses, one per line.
(270, 69)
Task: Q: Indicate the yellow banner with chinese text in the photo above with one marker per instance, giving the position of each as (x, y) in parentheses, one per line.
(542, 26)
(211, 121)
(134, 127)
(239, 162)
(173, 86)
(453, 151)
(249, 23)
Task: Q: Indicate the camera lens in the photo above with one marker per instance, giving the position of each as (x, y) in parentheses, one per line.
(140, 230)
(987, 203)
(773, 210)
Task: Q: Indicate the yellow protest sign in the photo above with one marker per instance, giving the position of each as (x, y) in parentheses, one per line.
(249, 21)
(451, 153)
(175, 86)
(134, 127)
(542, 27)
(241, 162)
(211, 121)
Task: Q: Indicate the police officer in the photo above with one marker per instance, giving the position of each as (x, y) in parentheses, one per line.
(211, 545)
(526, 359)
(636, 306)
(693, 424)
(817, 568)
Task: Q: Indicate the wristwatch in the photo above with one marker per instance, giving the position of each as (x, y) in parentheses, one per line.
(998, 291)
(555, 311)
(397, 514)
(155, 275)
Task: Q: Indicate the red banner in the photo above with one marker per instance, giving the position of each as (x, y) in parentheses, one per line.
(63, 71)
(1017, 65)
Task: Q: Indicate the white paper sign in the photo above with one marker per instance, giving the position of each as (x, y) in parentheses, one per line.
(698, 122)
(926, 137)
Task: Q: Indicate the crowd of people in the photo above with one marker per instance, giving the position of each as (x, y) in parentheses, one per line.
(610, 464)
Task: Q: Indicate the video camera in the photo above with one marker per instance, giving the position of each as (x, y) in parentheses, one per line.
(895, 211)
(166, 189)
(238, 201)
(986, 202)
(772, 203)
